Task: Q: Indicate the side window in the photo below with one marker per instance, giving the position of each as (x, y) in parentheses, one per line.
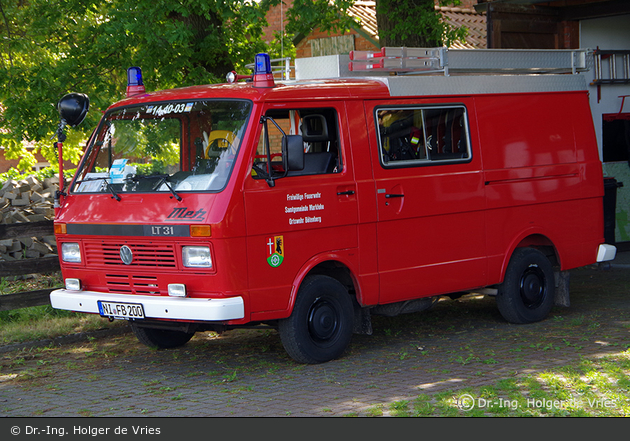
(422, 135)
(319, 131)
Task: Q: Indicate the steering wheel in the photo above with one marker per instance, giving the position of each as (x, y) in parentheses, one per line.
(219, 145)
(218, 141)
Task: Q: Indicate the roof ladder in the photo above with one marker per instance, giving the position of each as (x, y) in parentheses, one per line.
(611, 67)
(402, 60)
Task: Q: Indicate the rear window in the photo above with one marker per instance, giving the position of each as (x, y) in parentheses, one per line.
(409, 136)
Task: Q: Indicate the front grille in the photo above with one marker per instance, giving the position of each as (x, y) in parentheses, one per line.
(125, 284)
(145, 255)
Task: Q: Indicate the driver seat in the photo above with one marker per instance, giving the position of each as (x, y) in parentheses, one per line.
(319, 160)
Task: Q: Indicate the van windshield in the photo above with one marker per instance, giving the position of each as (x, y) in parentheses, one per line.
(173, 147)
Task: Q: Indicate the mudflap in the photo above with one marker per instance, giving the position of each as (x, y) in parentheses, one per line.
(362, 320)
(561, 296)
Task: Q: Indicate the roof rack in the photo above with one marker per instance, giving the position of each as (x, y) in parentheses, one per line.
(279, 67)
(404, 60)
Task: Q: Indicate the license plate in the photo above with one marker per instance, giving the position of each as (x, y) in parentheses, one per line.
(127, 311)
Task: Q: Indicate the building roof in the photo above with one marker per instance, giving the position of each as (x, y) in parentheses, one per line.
(474, 22)
(365, 12)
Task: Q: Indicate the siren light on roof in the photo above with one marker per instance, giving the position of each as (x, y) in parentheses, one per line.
(135, 86)
(263, 73)
(263, 76)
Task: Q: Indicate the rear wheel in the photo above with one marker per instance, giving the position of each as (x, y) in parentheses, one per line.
(526, 294)
(320, 327)
(161, 338)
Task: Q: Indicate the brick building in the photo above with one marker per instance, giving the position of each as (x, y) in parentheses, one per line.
(7, 164)
(365, 36)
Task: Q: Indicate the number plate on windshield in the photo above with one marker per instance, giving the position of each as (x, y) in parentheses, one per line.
(127, 311)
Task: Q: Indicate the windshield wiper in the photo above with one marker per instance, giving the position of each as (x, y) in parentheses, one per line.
(164, 180)
(111, 189)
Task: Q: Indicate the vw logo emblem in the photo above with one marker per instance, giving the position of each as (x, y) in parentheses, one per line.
(126, 255)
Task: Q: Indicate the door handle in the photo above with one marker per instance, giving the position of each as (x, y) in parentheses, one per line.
(345, 193)
(389, 196)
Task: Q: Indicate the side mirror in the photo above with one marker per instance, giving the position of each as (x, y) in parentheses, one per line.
(73, 108)
(293, 151)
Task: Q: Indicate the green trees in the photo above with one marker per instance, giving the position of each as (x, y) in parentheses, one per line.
(49, 48)
(414, 23)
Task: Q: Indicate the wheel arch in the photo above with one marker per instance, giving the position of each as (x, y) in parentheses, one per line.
(537, 240)
(336, 266)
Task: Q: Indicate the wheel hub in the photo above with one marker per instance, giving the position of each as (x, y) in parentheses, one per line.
(323, 320)
(533, 287)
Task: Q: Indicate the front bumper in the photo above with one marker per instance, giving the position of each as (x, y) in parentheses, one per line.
(158, 307)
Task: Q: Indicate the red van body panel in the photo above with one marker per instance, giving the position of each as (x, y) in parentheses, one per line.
(527, 174)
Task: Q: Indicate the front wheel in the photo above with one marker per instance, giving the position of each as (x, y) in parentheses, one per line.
(161, 338)
(320, 327)
(526, 294)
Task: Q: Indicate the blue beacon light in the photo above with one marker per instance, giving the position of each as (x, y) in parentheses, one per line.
(263, 76)
(135, 85)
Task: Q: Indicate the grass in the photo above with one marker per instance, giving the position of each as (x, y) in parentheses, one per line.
(10, 285)
(592, 388)
(42, 322)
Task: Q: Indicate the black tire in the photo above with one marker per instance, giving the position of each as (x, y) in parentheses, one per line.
(161, 338)
(320, 327)
(526, 294)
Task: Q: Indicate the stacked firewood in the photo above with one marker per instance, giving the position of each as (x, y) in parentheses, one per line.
(27, 200)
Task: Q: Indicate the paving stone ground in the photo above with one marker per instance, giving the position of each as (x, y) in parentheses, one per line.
(457, 344)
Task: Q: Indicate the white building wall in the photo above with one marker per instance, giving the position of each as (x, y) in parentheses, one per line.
(610, 33)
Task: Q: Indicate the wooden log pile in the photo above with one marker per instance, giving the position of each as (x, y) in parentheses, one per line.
(27, 201)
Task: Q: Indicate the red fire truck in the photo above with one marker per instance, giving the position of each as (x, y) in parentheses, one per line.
(308, 205)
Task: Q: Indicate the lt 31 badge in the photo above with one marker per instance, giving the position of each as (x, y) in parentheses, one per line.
(275, 251)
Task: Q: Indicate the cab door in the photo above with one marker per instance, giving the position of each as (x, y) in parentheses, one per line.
(307, 214)
(430, 198)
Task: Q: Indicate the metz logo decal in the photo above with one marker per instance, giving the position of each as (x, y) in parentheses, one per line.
(183, 214)
(275, 251)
